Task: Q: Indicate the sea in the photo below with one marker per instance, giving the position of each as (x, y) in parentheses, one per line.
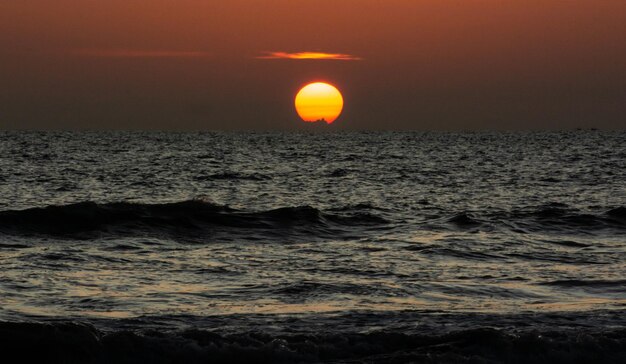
(313, 247)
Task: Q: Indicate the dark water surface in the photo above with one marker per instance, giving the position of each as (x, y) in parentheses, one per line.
(287, 247)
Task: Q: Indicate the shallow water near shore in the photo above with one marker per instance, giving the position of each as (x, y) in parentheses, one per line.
(322, 237)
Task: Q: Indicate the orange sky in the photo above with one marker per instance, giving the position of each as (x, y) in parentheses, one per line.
(416, 64)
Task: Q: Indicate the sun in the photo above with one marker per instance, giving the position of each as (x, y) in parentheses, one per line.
(319, 101)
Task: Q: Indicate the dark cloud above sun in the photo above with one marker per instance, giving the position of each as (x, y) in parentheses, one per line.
(309, 56)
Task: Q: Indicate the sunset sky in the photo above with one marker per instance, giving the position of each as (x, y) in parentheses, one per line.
(237, 64)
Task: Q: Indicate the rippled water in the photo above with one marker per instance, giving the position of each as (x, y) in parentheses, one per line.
(350, 231)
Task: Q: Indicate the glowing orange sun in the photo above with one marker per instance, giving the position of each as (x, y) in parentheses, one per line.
(319, 101)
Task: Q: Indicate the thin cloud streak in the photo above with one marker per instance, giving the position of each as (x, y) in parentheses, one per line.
(310, 55)
(137, 53)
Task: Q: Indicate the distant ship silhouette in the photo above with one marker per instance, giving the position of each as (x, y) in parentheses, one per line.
(317, 122)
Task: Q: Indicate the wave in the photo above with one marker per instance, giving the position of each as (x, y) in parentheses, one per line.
(593, 283)
(618, 213)
(548, 217)
(565, 217)
(464, 220)
(87, 219)
(339, 172)
(201, 219)
(64, 342)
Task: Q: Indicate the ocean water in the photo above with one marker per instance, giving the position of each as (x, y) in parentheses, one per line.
(314, 247)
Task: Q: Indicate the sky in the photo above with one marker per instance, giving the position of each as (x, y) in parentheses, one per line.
(238, 64)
